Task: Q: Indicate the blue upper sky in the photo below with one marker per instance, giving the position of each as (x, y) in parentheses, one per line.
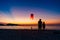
(51, 5)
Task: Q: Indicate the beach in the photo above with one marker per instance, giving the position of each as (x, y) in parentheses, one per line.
(29, 20)
(20, 34)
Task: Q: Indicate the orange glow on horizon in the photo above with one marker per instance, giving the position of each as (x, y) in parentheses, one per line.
(29, 21)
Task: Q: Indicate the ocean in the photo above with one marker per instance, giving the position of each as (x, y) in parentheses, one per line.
(30, 27)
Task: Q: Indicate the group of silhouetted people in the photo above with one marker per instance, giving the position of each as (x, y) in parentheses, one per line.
(41, 25)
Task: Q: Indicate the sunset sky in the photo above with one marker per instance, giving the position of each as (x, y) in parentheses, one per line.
(18, 12)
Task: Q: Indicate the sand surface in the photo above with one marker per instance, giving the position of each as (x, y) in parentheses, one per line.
(10, 34)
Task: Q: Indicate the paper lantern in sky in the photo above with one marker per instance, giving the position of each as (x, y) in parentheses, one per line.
(32, 16)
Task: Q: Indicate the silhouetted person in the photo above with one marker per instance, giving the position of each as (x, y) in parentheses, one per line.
(43, 24)
(39, 24)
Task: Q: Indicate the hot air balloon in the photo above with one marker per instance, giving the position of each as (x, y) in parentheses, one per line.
(32, 16)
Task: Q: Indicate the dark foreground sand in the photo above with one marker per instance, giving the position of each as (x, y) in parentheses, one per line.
(9, 34)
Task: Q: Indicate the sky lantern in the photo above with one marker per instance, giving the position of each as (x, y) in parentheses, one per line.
(32, 16)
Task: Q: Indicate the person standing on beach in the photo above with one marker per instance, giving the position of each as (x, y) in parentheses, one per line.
(39, 24)
(43, 24)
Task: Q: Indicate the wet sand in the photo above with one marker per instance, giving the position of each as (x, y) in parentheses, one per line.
(13, 34)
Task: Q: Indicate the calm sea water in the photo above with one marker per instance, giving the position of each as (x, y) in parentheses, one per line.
(30, 27)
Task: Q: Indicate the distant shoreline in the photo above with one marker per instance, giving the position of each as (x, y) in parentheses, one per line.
(28, 24)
